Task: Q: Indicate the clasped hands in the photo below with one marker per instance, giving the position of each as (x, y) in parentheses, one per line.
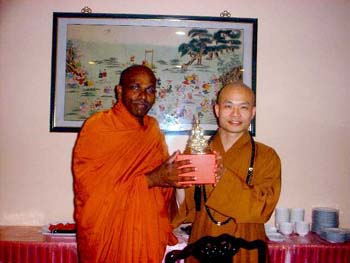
(172, 173)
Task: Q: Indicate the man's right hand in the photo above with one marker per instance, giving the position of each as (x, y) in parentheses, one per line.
(170, 173)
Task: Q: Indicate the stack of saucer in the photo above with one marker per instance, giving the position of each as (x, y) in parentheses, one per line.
(272, 234)
(297, 214)
(282, 214)
(324, 217)
(335, 235)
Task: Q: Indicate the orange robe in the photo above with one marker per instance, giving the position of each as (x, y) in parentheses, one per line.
(249, 206)
(119, 219)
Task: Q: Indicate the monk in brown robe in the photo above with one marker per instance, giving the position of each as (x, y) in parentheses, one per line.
(242, 201)
(124, 178)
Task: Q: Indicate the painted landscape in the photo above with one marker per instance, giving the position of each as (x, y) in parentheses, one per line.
(191, 67)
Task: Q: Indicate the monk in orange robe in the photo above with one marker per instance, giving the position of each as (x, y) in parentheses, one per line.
(242, 201)
(124, 178)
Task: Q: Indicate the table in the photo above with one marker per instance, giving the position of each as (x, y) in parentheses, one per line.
(308, 249)
(26, 244)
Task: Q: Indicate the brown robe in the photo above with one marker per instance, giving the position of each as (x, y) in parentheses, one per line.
(120, 219)
(250, 206)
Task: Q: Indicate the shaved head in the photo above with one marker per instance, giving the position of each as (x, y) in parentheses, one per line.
(128, 73)
(137, 90)
(235, 109)
(237, 86)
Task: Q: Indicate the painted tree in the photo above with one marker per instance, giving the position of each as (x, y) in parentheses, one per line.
(196, 47)
(204, 44)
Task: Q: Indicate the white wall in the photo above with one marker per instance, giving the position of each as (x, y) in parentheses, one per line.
(302, 101)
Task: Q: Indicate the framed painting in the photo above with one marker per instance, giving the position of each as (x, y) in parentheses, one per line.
(192, 58)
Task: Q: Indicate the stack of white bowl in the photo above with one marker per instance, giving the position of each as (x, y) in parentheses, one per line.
(289, 220)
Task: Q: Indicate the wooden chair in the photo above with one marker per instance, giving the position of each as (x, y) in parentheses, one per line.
(218, 249)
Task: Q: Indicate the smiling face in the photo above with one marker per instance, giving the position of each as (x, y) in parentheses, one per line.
(235, 109)
(137, 90)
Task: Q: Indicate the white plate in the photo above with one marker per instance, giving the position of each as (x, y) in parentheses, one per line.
(276, 237)
(60, 234)
(45, 231)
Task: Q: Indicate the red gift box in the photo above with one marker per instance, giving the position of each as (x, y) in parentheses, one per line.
(205, 165)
